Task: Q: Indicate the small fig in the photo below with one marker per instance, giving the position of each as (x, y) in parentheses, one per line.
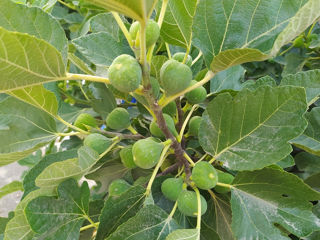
(118, 119)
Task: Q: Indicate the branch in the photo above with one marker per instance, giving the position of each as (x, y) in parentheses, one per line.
(170, 169)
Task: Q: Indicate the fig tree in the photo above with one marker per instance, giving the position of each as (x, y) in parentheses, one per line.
(157, 132)
(146, 152)
(117, 187)
(224, 178)
(118, 119)
(85, 119)
(97, 142)
(125, 73)
(174, 77)
(197, 95)
(179, 56)
(127, 157)
(204, 175)
(188, 204)
(152, 32)
(194, 126)
(171, 188)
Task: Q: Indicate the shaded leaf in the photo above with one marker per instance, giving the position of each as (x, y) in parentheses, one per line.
(100, 48)
(117, 211)
(310, 80)
(268, 197)
(105, 22)
(310, 139)
(29, 179)
(60, 218)
(26, 60)
(307, 164)
(151, 222)
(252, 130)
(227, 79)
(58, 172)
(264, 81)
(288, 161)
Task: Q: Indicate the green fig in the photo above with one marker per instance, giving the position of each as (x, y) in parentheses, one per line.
(197, 95)
(170, 109)
(97, 142)
(152, 32)
(179, 56)
(156, 131)
(85, 119)
(127, 157)
(174, 77)
(146, 152)
(188, 204)
(226, 178)
(171, 188)
(118, 119)
(125, 73)
(204, 175)
(194, 126)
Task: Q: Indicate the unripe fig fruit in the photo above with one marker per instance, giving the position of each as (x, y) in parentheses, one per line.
(97, 142)
(188, 204)
(204, 175)
(117, 187)
(194, 126)
(125, 73)
(127, 157)
(224, 178)
(174, 77)
(152, 32)
(179, 56)
(299, 42)
(171, 188)
(146, 153)
(118, 119)
(156, 131)
(85, 119)
(197, 95)
(170, 109)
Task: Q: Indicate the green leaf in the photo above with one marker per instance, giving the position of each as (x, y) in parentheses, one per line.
(24, 129)
(10, 188)
(310, 139)
(294, 63)
(136, 9)
(177, 23)
(20, 18)
(26, 60)
(117, 211)
(151, 222)
(60, 218)
(184, 234)
(264, 81)
(39, 97)
(29, 179)
(104, 101)
(270, 197)
(310, 80)
(227, 79)
(105, 22)
(233, 32)
(252, 130)
(44, 4)
(288, 161)
(18, 227)
(307, 164)
(58, 172)
(100, 48)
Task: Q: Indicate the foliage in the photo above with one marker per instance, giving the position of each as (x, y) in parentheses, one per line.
(191, 119)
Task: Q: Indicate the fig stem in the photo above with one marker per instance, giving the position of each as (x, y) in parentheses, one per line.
(71, 76)
(184, 125)
(212, 160)
(160, 162)
(197, 58)
(71, 126)
(123, 28)
(94, 225)
(199, 208)
(68, 134)
(189, 159)
(168, 50)
(132, 130)
(115, 140)
(164, 101)
(115, 134)
(224, 185)
(173, 210)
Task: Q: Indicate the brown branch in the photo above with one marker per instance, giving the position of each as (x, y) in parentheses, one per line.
(180, 114)
(116, 134)
(170, 169)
